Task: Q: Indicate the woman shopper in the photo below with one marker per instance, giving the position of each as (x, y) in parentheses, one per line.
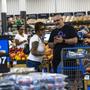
(21, 37)
(36, 47)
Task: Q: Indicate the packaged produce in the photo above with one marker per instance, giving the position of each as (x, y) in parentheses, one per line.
(39, 81)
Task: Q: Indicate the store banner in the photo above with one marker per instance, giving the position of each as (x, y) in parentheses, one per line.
(43, 15)
(32, 16)
(79, 13)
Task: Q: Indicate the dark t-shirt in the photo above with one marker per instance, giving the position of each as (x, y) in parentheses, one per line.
(66, 32)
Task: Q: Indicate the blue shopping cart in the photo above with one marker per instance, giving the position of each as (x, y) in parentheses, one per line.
(72, 62)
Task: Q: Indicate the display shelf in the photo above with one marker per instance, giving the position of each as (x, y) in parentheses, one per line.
(21, 62)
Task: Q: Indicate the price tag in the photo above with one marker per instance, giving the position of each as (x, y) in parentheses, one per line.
(14, 62)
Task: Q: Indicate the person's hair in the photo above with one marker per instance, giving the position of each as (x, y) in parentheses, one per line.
(19, 26)
(39, 26)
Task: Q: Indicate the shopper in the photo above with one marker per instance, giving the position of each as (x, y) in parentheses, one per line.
(21, 37)
(36, 47)
(63, 36)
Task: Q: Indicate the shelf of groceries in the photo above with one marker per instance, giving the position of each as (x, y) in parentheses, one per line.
(74, 18)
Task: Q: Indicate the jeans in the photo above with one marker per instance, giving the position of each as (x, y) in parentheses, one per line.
(34, 64)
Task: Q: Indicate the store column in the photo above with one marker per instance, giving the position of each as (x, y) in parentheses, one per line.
(4, 17)
(22, 7)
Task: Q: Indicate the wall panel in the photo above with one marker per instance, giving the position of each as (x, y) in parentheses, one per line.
(40, 6)
(73, 5)
(12, 7)
(48, 6)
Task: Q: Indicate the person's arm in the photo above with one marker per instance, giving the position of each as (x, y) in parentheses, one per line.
(34, 50)
(18, 42)
(65, 41)
(71, 40)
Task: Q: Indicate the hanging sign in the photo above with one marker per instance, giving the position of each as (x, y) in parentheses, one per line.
(32, 16)
(88, 12)
(43, 15)
(79, 13)
(67, 14)
(53, 14)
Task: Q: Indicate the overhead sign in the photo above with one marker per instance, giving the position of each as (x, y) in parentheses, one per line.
(43, 15)
(67, 14)
(52, 14)
(79, 13)
(32, 16)
(62, 14)
(88, 12)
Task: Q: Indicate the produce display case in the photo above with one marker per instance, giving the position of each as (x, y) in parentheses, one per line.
(18, 57)
(25, 79)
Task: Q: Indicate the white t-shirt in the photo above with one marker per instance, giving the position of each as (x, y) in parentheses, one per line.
(21, 38)
(41, 48)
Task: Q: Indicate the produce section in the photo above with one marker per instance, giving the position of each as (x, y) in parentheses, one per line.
(17, 54)
(28, 80)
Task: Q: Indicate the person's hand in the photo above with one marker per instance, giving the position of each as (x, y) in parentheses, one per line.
(86, 40)
(58, 39)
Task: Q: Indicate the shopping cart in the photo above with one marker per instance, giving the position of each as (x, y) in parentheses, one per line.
(72, 64)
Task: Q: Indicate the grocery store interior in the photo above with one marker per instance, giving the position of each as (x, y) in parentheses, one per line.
(44, 44)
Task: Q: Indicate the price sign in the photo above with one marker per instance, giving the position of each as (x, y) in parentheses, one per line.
(4, 54)
(3, 60)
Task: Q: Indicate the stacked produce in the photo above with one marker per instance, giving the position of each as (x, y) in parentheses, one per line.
(17, 54)
(39, 81)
